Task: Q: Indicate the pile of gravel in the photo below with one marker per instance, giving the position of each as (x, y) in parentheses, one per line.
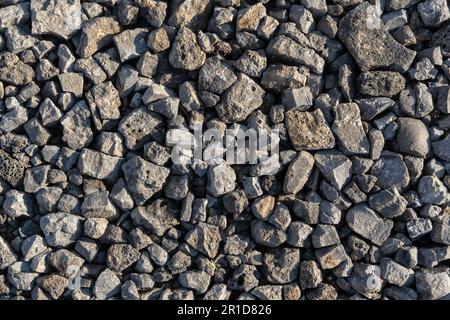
(93, 94)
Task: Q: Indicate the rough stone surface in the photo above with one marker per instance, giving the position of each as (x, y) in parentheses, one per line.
(224, 150)
(367, 40)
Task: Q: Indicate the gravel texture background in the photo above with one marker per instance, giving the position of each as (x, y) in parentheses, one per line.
(94, 94)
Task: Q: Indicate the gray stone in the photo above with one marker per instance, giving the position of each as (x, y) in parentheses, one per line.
(433, 284)
(278, 77)
(121, 256)
(106, 285)
(21, 276)
(324, 235)
(216, 75)
(139, 127)
(301, 98)
(240, 100)
(280, 217)
(390, 171)
(310, 274)
(186, 54)
(395, 273)
(18, 204)
(204, 238)
(7, 255)
(14, 14)
(98, 205)
(67, 263)
(14, 71)
(432, 190)
(61, 229)
(365, 222)
(55, 17)
(49, 112)
(291, 52)
(367, 40)
(96, 34)
(388, 202)
(158, 255)
(148, 64)
(349, 129)
(221, 179)
(76, 123)
(13, 119)
(53, 284)
(334, 166)
(380, 83)
(72, 82)
(441, 230)
(95, 227)
(299, 234)
(157, 217)
(412, 137)
(99, 165)
(104, 102)
(433, 12)
(252, 63)
(281, 266)
(441, 148)
(267, 235)
(416, 101)
(131, 43)
(143, 178)
(197, 280)
(418, 227)
(309, 130)
(366, 280)
(331, 257)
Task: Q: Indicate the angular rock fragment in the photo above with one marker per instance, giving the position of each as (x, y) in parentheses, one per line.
(143, 178)
(76, 123)
(204, 238)
(14, 14)
(96, 34)
(131, 44)
(106, 285)
(309, 130)
(335, 167)
(186, 53)
(14, 71)
(157, 217)
(121, 256)
(139, 127)
(61, 229)
(99, 165)
(7, 256)
(349, 130)
(267, 235)
(55, 17)
(281, 266)
(221, 179)
(11, 170)
(240, 100)
(391, 171)
(367, 40)
(298, 172)
(380, 83)
(365, 222)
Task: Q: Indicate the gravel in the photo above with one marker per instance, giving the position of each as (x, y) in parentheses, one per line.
(349, 199)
